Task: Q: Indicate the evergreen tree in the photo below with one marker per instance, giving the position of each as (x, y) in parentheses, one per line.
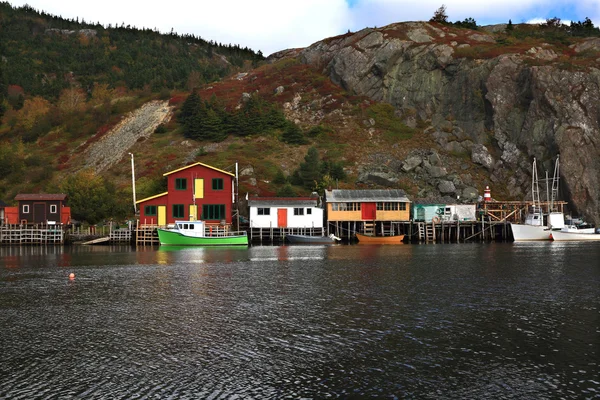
(286, 191)
(510, 25)
(190, 107)
(440, 15)
(292, 134)
(309, 171)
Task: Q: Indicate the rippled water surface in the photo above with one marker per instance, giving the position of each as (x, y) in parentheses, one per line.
(414, 321)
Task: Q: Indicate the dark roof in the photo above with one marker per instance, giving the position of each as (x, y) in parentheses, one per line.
(345, 195)
(3, 204)
(283, 201)
(41, 196)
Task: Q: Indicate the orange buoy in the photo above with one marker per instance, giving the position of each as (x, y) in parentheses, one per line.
(71, 276)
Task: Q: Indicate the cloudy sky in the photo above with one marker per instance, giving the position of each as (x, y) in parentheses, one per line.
(273, 25)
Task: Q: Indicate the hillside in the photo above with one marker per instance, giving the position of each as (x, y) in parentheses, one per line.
(437, 110)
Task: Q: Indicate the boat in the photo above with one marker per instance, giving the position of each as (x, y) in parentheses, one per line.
(563, 236)
(534, 228)
(308, 239)
(578, 229)
(369, 239)
(195, 233)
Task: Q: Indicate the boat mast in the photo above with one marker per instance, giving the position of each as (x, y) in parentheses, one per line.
(535, 190)
(555, 181)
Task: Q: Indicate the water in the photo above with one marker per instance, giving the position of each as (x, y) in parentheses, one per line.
(412, 321)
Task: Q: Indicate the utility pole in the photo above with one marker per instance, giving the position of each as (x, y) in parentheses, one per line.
(133, 183)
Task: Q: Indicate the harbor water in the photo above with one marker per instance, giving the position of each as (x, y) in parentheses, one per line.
(436, 321)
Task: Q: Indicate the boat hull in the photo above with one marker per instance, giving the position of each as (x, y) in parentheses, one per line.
(398, 239)
(306, 239)
(170, 238)
(523, 232)
(574, 236)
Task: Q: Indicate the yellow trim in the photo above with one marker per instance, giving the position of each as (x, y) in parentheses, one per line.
(199, 188)
(198, 163)
(161, 212)
(151, 197)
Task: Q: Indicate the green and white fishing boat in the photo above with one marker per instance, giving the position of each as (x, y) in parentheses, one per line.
(196, 233)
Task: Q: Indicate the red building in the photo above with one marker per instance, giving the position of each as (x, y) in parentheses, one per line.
(39, 209)
(197, 191)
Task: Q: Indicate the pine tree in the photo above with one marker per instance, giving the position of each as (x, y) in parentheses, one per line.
(310, 170)
(292, 134)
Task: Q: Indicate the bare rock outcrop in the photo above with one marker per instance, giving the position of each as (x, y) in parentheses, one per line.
(519, 106)
(140, 123)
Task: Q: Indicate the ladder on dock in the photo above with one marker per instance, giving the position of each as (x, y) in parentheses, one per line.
(369, 228)
(426, 231)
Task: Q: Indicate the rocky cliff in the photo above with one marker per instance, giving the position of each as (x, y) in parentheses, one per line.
(498, 102)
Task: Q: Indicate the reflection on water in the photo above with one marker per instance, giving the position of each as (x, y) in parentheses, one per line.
(461, 321)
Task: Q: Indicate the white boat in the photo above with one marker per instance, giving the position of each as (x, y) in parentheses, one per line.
(534, 228)
(578, 229)
(561, 236)
(308, 239)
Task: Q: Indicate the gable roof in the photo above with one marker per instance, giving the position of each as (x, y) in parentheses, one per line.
(283, 202)
(152, 197)
(356, 196)
(195, 164)
(40, 196)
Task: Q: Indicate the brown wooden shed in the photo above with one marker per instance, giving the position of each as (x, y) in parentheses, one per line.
(43, 208)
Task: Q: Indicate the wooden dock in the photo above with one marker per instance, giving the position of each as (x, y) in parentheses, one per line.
(31, 234)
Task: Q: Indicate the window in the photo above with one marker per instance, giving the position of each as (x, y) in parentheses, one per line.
(213, 211)
(53, 208)
(180, 184)
(150, 211)
(217, 184)
(402, 206)
(178, 211)
(298, 211)
(309, 211)
(264, 211)
(25, 208)
(387, 206)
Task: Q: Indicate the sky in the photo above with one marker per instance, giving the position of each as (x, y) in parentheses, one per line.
(274, 25)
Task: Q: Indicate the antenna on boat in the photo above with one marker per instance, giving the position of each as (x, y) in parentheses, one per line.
(237, 197)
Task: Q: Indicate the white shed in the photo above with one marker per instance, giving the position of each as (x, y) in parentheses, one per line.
(285, 212)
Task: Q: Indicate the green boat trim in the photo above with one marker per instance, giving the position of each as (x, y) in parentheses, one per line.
(193, 233)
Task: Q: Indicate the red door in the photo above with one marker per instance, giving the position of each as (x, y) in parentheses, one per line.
(369, 211)
(282, 217)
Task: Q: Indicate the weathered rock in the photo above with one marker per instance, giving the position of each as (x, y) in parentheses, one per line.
(446, 187)
(518, 109)
(411, 163)
(469, 193)
(480, 155)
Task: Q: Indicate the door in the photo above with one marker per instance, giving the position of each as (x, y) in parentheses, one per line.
(198, 188)
(193, 212)
(421, 214)
(39, 213)
(282, 217)
(162, 215)
(369, 211)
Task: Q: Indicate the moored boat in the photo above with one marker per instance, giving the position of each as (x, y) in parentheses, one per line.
(367, 239)
(194, 233)
(562, 236)
(534, 228)
(308, 239)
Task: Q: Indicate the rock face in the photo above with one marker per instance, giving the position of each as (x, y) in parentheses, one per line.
(501, 110)
(141, 123)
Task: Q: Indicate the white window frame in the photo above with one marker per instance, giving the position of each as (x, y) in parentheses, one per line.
(25, 209)
(53, 209)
